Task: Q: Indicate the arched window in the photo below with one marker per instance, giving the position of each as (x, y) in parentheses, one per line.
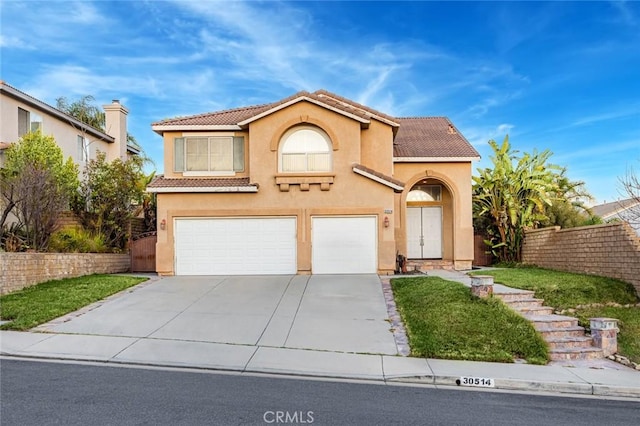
(305, 149)
(421, 192)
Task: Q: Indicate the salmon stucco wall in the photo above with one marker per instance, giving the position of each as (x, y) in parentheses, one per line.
(302, 195)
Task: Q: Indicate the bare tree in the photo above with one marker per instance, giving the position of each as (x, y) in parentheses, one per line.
(631, 192)
(38, 210)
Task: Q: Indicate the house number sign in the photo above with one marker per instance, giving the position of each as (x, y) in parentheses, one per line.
(482, 382)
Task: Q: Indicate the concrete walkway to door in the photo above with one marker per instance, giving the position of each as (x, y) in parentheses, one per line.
(340, 313)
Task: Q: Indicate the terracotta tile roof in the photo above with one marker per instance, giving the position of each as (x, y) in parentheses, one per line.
(350, 105)
(229, 116)
(237, 115)
(416, 136)
(379, 175)
(430, 137)
(161, 182)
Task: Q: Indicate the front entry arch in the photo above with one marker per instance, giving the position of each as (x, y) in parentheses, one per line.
(427, 208)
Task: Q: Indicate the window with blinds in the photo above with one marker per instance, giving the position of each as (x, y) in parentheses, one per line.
(305, 149)
(209, 154)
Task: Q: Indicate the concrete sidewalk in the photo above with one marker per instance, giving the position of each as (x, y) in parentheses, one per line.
(263, 359)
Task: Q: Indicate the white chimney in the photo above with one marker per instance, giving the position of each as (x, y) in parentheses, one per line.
(116, 126)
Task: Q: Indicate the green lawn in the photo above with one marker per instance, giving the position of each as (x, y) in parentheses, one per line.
(564, 290)
(444, 320)
(40, 303)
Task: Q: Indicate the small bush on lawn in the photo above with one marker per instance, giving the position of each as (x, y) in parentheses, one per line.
(40, 303)
(444, 320)
(76, 240)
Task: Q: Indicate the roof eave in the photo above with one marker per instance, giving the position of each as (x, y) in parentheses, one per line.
(161, 128)
(197, 189)
(435, 159)
(375, 178)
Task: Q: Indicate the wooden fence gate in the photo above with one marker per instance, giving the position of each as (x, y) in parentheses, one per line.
(143, 252)
(480, 255)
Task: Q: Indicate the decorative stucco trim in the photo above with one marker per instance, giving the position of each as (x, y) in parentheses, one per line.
(378, 179)
(195, 189)
(284, 181)
(277, 135)
(435, 159)
(299, 99)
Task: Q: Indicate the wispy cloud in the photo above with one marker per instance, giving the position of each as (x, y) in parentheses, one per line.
(607, 116)
(625, 13)
(7, 41)
(602, 153)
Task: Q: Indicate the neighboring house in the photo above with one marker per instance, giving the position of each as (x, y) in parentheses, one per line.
(21, 113)
(625, 210)
(314, 183)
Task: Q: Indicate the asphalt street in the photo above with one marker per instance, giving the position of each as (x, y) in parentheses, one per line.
(43, 393)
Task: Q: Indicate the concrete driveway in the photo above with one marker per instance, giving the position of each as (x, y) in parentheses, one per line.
(340, 313)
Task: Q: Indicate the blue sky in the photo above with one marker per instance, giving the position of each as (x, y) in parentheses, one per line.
(563, 76)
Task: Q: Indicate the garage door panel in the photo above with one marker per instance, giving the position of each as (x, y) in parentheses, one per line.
(235, 246)
(344, 245)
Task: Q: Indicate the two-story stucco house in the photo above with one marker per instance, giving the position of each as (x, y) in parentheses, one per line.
(311, 184)
(22, 113)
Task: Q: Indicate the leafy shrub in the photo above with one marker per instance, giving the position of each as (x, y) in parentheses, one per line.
(77, 240)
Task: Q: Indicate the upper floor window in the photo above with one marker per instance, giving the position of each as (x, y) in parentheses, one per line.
(83, 149)
(305, 149)
(223, 154)
(28, 122)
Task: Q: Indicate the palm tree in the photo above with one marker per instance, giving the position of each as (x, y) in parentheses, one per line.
(512, 197)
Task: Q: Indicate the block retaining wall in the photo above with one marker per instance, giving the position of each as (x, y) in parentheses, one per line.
(20, 270)
(611, 250)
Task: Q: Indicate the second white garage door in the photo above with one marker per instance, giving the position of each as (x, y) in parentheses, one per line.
(235, 246)
(344, 245)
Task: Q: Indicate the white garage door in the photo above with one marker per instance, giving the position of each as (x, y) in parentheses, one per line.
(235, 246)
(344, 245)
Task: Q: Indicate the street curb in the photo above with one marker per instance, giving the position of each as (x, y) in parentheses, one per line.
(448, 381)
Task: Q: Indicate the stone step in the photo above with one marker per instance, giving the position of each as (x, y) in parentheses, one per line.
(569, 342)
(575, 353)
(554, 332)
(552, 321)
(535, 310)
(429, 265)
(514, 296)
(515, 304)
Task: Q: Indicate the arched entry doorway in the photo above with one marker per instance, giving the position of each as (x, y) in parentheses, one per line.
(428, 219)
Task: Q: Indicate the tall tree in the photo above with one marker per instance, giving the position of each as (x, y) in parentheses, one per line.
(568, 208)
(37, 184)
(106, 194)
(512, 196)
(83, 110)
